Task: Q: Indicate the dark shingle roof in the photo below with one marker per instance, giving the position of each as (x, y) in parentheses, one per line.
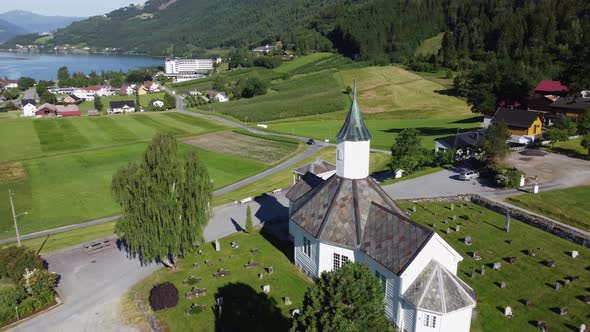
(307, 182)
(436, 289)
(515, 117)
(28, 101)
(354, 128)
(123, 103)
(359, 214)
(572, 103)
(317, 167)
(463, 140)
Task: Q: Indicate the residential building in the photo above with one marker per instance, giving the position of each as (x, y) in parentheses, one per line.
(71, 99)
(217, 96)
(8, 84)
(554, 88)
(29, 107)
(124, 106)
(50, 110)
(266, 49)
(127, 90)
(152, 86)
(570, 106)
(349, 218)
(85, 94)
(466, 143)
(187, 66)
(99, 90)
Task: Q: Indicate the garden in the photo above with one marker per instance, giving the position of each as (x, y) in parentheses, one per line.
(537, 274)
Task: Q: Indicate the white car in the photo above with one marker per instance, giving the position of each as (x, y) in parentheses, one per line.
(469, 175)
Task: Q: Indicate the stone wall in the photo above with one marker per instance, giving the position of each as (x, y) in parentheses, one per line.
(533, 220)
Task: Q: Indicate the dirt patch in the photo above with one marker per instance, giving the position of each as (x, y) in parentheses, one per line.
(259, 149)
(12, 171)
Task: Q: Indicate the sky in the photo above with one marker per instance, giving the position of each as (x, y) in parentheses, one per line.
(66, 7)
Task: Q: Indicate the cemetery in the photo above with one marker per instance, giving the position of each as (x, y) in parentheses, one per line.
(525, 278)
(252, 278)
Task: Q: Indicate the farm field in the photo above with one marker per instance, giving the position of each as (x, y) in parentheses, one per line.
(527, 278)
(246, 307)
(570, 206)
(143, 100)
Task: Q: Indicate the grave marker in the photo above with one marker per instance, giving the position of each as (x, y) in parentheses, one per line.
(288, 301)
(503, 284)
(483, 270)
(217, 245)
(266, 288)
(563, 311)
(497, 266)
(508, 312)
(557, 285)
(468, 240)
(583, 328)
(574, 254)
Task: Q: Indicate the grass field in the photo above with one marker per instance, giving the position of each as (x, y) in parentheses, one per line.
(571, 206)
(528, 278)
(143, 100)
(430, 46)
(246, 307)
(572, 146)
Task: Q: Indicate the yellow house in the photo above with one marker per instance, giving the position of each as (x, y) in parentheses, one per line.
(520, 122)
(142, 90)
(71, 99)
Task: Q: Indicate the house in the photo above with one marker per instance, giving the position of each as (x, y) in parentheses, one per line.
(157, 103)
(141, 89)
(85, 94)
(29, 107)
(571, 106)
(50, 110)
(217, 96)
(554, 88)
(319, 168)
(126, 90)
(266, 49)
(349, 218)
(152, 86)
(466, 144)
(8, 84)
(125, 106)
(520, 122)
(99, 90)
(71, 99)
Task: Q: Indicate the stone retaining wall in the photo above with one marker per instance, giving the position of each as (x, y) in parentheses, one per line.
(533, 220)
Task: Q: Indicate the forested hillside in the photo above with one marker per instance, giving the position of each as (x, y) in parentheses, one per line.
(9, 30)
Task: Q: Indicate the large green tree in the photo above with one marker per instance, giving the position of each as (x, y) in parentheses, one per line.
(166, 203)
(25, 83)
(63, 74)
(583, 125)
(348, 299)
(407, 153)
(98, 104)
(494, 143)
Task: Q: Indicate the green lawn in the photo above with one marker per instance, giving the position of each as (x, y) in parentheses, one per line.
(571, 206)
(246, 307)
(303, 61)
(571, 146)
(143, 100)
(528, 278)
(430, 46)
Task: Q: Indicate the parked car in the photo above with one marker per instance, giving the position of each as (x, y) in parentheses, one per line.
(469, 175)
(311, 141)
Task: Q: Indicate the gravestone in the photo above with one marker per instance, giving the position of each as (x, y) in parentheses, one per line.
(217, 245)
(266, 288)
(414, 208)
(468, 240)
(528, 302)
(551, 264)
(260, 276)
(195, 265)
(512, 260)
(473, 274)
(454, 217)
(587, 299)
(207, 262)
(508, 312)
(448, 230)
(288, 301)
(541, 325)
(234, 244)
(294, 312)
(563, 311)
(497, 266)
(270, 270)
(574, 254)
(557, 285)
(503, 284)
(476, 255)
(583, 328)
(452, 206)
(507, 222)
(434, 225)
(220, 259)
(483, 270)
(458, 228)
(200, 252)
(531, 253)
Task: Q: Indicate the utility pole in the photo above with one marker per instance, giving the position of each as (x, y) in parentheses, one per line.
(15, 216)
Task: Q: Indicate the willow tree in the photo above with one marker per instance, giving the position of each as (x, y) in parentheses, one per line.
(166, 202)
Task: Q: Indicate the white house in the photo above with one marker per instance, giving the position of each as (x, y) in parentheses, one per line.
(29, 107)
(85, 94)
(217, 96)
(348, 217)
(125, 106)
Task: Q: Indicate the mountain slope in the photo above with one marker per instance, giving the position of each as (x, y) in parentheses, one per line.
(9, 30)
(31, 22)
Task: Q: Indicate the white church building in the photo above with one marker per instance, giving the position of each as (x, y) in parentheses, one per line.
(348, 217)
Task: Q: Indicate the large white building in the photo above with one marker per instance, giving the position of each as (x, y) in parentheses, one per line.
(187, 66)
(349, 218)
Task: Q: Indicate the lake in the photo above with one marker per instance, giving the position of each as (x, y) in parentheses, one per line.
(44, 66)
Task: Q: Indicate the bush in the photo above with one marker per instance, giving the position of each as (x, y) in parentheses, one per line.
(163, 296)
(507, 177)
(6, 314)
(11, 296)
(14, 261)
(268, 61)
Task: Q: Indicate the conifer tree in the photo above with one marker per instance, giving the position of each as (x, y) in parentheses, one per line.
(249, 226)
(166, 203)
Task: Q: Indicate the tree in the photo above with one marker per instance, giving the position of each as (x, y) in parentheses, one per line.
(249, 226)
(566, 124)
(348, 299)
(11, 94)
(252, 87)
(585, 143)
(166, 203)
(556, 135)
(137, 101)
(448, 51)
(63, 74)
(15, 260)
(98, 104)
(407, 152)
(25, 83)
(169, 101)
(494, 143)
(47, 97)
(10, 106)
(583, 127)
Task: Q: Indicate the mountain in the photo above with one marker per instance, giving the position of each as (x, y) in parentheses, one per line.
(31, 22)
(9, 30)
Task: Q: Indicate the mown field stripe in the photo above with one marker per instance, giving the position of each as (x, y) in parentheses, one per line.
(113, 131)
(158, 126)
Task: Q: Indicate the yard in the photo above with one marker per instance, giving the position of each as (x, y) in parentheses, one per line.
(528, 278)
(573, 146)
(143, 100)
(571, 206)
(245, 306)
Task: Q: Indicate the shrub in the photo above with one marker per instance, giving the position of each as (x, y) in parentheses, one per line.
(507, 177)
(40, 284)
(163, 296)
(14, 261)
(11, 296)
(6, 314)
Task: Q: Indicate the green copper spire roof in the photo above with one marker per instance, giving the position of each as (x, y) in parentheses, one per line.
(354, 128)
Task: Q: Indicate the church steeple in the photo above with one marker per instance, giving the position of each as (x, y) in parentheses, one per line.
(354, 128)
(353, 145)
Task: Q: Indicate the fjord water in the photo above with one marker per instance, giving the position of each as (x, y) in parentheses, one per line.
(44, 66)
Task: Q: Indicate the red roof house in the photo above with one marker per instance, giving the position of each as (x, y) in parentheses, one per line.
(547, 87)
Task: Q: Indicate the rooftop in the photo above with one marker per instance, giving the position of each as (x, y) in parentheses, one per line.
(317, 167)
(573, 103)
(354, 128)
(515, 117)
(551, 86)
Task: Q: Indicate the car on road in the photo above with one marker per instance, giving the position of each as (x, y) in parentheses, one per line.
(311, 141)
(469, 175)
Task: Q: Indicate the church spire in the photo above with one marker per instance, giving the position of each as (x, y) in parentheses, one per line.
(354, 128)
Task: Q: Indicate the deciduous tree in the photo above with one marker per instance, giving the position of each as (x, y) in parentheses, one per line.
(583, 127)
(494, 143)
(348, 299)
(407, 152)
(98, 104)
(556, 135)
(166, 203)
(585, 143)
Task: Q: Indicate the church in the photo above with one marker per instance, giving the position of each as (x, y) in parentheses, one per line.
(349, 218)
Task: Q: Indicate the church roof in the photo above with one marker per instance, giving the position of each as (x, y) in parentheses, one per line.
(354, 128)
(359, 214)
(436, 289)
(319, 166)
(307, 182)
